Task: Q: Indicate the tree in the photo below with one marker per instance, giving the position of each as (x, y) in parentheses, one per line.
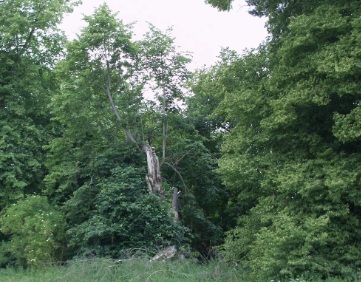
(82, 109)
(30, 43)
(103, 122)
(193, 151)
(278, 12)
(291, 157)
(109, 51)
(222, 5)
(236, 85)
(166, 71)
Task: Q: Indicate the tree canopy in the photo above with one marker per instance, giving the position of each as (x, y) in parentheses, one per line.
(291, 157)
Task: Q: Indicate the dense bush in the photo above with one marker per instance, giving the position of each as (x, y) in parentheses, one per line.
(123, 216)
(36, 232)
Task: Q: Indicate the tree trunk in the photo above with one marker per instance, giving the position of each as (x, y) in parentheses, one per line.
(154, 179)
(175, 204)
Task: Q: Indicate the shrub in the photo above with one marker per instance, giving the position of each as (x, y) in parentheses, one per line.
(35, 231)
(122, 216)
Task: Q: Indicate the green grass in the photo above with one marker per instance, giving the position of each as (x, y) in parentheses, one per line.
(142, 270)
(102, 270)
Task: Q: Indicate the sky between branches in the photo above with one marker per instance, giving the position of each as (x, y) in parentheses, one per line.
(197, 27)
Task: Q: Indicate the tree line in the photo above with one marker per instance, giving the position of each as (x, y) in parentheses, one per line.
(258, 155)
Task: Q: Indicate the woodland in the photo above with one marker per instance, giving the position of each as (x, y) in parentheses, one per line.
(111, 146)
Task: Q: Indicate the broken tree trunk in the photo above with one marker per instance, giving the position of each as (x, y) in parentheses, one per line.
(175, 204)
(165, 254)
(154, 179)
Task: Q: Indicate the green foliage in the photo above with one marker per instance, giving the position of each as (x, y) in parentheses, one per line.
(203, 204)
(279, 12)
(30, 43)
(122, 216)
(165, 67)
(29, 27)
(58, 124)
(202, 199)
(222, 5)
(36, 231)
(291, 159)
(89, 143)
(210, 87)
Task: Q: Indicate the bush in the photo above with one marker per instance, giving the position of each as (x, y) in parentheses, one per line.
(35, 231)
(123, 216)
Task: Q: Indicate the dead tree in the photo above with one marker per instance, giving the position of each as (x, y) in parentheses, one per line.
(153, 177)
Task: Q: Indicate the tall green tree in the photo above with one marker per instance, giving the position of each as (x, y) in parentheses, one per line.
(292, 156)
(30, 44)
(102, 144)
(96, 64)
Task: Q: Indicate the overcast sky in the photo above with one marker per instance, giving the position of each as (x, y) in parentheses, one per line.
(197, 27)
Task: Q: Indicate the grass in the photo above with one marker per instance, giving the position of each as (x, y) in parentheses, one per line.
(133, 270)
(104, 270)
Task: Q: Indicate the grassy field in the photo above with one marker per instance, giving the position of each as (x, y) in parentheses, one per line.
(102, 270)
(142, 270)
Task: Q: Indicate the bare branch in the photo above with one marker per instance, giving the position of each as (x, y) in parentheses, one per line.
(176, 171)
(114, 108)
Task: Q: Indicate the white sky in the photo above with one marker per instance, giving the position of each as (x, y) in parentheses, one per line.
(197, 27)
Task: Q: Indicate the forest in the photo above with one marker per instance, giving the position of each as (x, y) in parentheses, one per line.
(111, 148)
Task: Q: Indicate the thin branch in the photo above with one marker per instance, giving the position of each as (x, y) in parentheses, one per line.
(181, 157)
(114, 108)
(176, 171)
